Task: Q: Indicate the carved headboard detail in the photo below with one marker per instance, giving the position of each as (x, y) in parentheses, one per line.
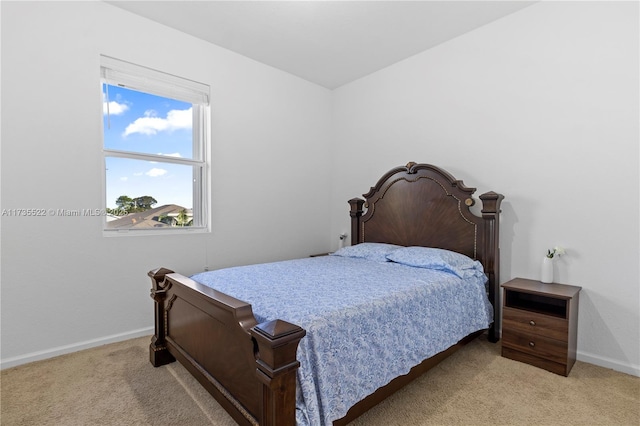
(423, 205)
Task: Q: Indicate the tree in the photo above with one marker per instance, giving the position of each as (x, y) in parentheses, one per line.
(183, 219)
(143, 203)
(125, 203)
(132, 205)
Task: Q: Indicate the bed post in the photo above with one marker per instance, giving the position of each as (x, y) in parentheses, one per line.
(277, 366)
(491, 214)
(355, 213)
(158, 352)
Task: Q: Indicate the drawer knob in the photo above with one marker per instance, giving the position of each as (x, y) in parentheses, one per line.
(532, 344)
(532, 323)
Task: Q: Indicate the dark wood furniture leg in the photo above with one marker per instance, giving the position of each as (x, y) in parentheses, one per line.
(158, 351)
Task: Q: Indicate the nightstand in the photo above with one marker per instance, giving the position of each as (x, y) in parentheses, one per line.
(540, 324)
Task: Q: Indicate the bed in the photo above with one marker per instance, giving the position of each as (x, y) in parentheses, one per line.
(321, 340)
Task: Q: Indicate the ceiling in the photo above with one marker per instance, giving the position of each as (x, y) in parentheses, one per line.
(329, 43)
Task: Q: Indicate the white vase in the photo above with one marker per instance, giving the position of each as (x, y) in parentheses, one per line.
(547, 270)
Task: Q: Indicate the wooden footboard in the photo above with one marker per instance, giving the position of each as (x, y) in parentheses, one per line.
(249, 368)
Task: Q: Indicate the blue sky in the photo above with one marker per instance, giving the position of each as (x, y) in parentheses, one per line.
(149, 124)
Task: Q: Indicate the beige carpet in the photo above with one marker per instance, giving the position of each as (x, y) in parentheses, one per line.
(116, 385)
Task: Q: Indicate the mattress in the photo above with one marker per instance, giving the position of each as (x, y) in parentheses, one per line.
(367, 320)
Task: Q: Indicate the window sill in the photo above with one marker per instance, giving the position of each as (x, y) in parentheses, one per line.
(145, 232)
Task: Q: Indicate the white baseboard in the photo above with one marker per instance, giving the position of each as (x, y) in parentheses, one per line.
(62, 350)
(605, 362)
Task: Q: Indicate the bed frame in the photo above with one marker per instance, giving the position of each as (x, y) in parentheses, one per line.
(250, 368)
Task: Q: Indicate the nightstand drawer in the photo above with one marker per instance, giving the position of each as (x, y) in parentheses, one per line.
(535, 344)
(533, 322)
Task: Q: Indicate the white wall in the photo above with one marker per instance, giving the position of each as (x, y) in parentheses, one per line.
(541, 106)
(64, 285)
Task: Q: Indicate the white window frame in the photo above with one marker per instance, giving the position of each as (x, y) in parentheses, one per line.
(135, 77)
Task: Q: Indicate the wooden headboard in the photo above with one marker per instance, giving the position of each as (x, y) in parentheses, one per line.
(423, 205)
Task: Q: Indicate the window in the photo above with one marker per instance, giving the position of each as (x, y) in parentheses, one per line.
(154, 147)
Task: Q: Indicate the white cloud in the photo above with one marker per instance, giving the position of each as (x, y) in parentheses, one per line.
(155, 172)
(124, 178)
(150, 124)
(175, 154)
(114, 107)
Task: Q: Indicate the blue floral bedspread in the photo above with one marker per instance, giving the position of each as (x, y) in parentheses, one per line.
(367, 322)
